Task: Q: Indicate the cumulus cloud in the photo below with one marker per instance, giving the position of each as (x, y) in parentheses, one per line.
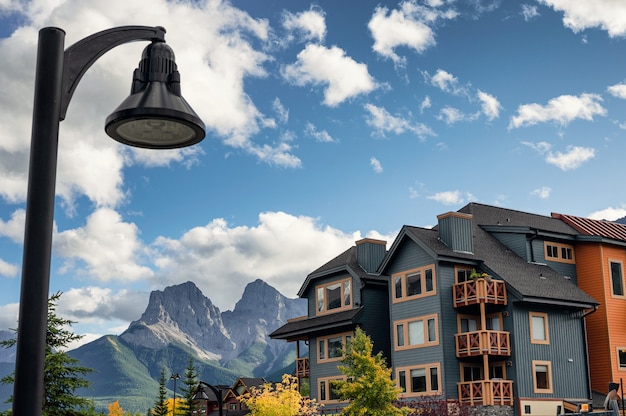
(543, 192)
(310, 25)
(14, 228)
(320, 136)
(407, 26)
(92, 304)
(609, 214)
(490, 105)
(618, 90)
(607, 15)
(341, 76)
(425, 104)
(108, 247)
(445, 81)
(8, 269)
(451, 115)
(376, 165)
(281, 249)
(451, 197)
(383, 122)
(571, 159)
(562, 110)
(529, 12)
(8, 315)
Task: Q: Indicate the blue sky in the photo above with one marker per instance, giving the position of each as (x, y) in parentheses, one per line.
(326, 122)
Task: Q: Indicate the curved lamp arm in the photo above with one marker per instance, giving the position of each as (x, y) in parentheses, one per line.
(79, 57)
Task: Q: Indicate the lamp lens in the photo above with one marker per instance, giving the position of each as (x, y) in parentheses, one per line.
(153, 132)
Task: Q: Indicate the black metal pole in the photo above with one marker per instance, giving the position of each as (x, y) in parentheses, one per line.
(28, 388)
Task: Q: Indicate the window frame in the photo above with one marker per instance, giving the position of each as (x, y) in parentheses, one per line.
(623, 285)
(327, 381)
(546, 328)
(403, 284)
(618, 351)
(406, 335)
(428, 368)
(462, 269)
(327, 359)
(558, 247)
(344, 306)
(549, 379)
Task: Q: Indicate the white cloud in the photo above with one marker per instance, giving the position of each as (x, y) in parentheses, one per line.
(383, 122)
(320, 136)
(14, 228)
(490, 105)
(109, 248)
(281, 112)
(578, 15)
(282, 249)
(425, 104)
(618, 90)
(8, 315)
(92, 304)
(543, 192)
(562, 110)
(451, 115)
(609, 214)
(529, 12)
(451, 197)
(342, 76)
(572, 159)
(445, 81)
(375, 164)
(407, 26)
(8, 269)
(310, 24)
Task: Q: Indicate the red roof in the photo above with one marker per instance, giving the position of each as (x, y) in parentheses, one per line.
(599, 228)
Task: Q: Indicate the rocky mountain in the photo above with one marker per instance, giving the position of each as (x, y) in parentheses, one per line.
(180, 322)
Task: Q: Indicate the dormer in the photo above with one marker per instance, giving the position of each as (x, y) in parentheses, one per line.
(455, 231)
(370, 253)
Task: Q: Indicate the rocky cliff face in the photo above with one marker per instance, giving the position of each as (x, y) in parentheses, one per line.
(182, 315)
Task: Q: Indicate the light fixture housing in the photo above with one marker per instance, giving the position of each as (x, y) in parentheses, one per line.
(155, 115)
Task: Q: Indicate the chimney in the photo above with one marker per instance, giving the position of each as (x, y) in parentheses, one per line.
(455, 231)
(369, 253)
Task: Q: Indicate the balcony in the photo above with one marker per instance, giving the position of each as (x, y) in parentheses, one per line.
(477, 343)
(302, 367)
(479, 291)
(486, 392)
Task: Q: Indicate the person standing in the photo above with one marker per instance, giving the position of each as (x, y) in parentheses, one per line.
(611, 402)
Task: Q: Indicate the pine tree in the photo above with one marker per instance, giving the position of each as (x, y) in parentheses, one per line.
(63, 374)
(368, 387)
(188, 390)
(160, 405)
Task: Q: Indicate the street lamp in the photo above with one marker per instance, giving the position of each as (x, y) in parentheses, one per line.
(218, 395)
(155, 115)
(174, 377)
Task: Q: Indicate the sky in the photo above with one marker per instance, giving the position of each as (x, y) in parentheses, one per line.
(327, 122)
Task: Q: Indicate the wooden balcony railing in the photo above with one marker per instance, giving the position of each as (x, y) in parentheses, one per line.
(475, 343)
(479, 291)
(486, 392)
(302, 367)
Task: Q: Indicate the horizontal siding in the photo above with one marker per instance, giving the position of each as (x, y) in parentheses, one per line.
(590, 271)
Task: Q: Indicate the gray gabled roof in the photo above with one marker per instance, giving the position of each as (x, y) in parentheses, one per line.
(346, 262)
(528, 281)
(302, 328)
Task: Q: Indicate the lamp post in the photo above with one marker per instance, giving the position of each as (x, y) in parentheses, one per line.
(216, 391)
(155, 115)
(174, 377)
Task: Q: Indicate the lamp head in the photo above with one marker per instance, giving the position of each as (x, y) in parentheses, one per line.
(155, 115)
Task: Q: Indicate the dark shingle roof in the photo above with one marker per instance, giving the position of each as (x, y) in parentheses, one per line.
(296, 328)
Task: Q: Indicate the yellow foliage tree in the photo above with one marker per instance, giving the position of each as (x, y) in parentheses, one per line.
(279, 399)
(115, 409)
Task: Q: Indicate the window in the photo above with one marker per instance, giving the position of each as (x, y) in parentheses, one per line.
(327, 393)
(463, 275)
(542, 381)
(334, 296)
(331, 348)
(563, 253)
(471, 372)
(419, 381)
(414, 283)
(617, 278)
(539, 333)
(621, 357)
(416, 332)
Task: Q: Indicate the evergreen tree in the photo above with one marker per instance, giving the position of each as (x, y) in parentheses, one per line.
(63, 374)
(369, 387)
(160, 405)
(190, 384)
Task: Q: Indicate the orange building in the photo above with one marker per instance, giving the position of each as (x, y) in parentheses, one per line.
(600, 258)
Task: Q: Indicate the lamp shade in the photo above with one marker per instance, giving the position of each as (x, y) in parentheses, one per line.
(155, 115)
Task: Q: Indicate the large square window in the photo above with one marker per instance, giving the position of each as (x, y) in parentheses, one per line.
(421, 380)
(414, 283)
